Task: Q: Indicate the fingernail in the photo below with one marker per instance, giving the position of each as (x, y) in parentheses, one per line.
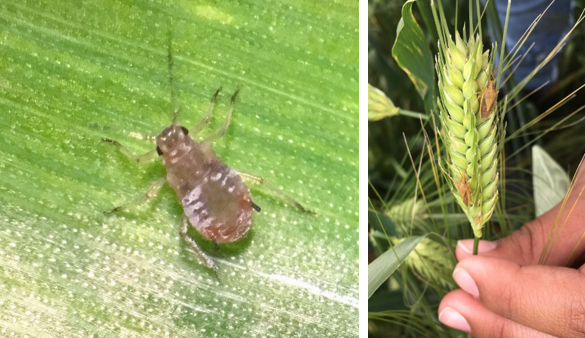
(484, 246)
(453, 319)
(464, 280)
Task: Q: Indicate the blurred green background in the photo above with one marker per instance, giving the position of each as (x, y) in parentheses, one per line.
(73, 72)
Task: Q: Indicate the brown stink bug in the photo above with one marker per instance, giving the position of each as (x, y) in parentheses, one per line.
(462, 185)
(463, 189)
(488, 99)
(215, 199)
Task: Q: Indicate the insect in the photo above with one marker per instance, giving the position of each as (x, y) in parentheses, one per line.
(462, 186)
(463, 190)
(488, 99)
(215, 199)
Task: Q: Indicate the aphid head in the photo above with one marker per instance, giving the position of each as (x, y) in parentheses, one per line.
(170, 138)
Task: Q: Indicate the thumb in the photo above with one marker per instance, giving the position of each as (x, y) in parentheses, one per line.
(509, 300)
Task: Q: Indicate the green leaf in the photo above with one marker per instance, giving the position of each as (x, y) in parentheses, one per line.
(414, 56)
(385, 265)
(382, 222)
(73, 73)
(550, 181)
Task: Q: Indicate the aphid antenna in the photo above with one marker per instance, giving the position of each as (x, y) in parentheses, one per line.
(170, 63)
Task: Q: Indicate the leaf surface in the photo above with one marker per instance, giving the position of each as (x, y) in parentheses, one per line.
(549, 179)
(384, 266)
(75, 72)
(414, 56)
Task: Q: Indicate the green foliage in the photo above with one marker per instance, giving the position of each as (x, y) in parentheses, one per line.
(75, 72)
(550, 181)
(410, 198)
(414, 56)
(383, 267)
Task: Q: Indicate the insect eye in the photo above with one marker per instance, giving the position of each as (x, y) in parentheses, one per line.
(158, 151)
(185, 130)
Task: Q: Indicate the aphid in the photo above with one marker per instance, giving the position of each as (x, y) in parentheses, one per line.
(488, 99)
(215, 199)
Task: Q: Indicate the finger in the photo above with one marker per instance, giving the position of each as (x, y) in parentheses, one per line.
(547, 299)
(461, 311)
(464, 248)
(526, 245)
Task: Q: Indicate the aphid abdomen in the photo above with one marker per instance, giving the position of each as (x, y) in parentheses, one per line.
(219, 206)
(214, 197)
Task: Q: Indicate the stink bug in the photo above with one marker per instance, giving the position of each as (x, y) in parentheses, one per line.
(462, 186)
(488, 99)
(215, 199)
(463, 189)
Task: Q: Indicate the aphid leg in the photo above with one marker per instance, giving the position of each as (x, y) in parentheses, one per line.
(215, 245)
(152, 191)
(252, 178)
(207, 117)
(204, 258)
(219, 133)
(281, 194)
(256, 180)
(256, 207)
(146, 157)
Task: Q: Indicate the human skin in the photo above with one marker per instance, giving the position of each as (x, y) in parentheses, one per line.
(505, 293)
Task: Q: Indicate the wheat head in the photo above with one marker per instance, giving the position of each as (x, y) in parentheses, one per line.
(433, 262)
(470, 139)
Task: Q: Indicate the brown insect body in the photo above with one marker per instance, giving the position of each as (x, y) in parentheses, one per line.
(488, 99)
(462, 187)
(215, 199)
(463, 190)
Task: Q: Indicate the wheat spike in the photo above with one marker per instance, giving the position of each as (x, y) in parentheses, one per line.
(433, 262)
(470, 140)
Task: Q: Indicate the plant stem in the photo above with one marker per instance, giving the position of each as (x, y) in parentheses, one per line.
(413, 114)
(475, 244)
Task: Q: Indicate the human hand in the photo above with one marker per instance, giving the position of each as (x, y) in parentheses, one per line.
(505, 293)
